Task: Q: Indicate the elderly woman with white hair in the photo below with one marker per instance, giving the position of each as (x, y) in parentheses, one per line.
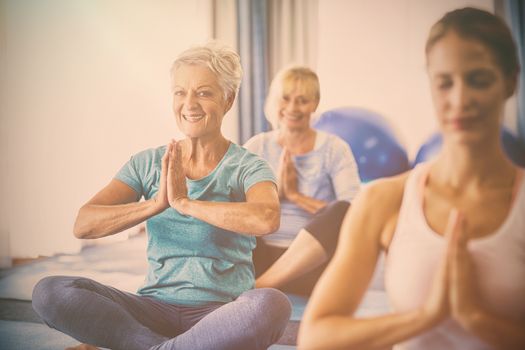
(205, 200)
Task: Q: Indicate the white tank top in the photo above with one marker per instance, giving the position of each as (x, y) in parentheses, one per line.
(416, 250)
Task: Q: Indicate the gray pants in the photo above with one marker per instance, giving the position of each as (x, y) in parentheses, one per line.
(107, 317)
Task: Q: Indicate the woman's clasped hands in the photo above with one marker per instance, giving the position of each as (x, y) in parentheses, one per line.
(454, 291)
(287, 176)
(173, 191)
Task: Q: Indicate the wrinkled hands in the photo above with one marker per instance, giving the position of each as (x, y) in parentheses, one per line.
(161, 199)
(173, 191)
(454, 289)
(287, 177)
(176, 180)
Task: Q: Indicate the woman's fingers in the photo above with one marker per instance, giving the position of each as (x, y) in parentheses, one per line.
(177, 188)
(463, 295)
(438, 301)
(452, 234)
(452, 228)
(166, 155)
(175, 156)
(457, 238)
(161, 197)
(178, 152)
(164, 164)
(288, 160)
(455, 235)
(437, 304)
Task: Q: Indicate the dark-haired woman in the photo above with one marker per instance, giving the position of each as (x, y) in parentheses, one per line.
(453, 229)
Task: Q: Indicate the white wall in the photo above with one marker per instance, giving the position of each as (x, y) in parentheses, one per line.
(224, 20)
(87, 86)
(371, 55)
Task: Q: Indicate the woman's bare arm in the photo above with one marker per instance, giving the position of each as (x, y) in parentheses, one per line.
(469, 310)
(259, 215)
(328, 321)
(112, 210)
(116, 208)
(310, 204)
(501, 332)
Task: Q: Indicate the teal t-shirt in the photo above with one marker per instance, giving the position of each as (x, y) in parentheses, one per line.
(190, 261)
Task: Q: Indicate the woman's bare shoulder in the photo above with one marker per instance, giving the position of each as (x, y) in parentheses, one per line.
(385, 193)
(383, 199)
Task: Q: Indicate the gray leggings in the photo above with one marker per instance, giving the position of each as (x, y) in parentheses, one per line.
(107, 317)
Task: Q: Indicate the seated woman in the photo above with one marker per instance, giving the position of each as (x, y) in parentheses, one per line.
(206, 199)
(453, 229)
(317, 177)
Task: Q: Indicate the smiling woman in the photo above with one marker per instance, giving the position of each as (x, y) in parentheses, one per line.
(206, 199)
(317, 177)
(198, 101)
(203, 91)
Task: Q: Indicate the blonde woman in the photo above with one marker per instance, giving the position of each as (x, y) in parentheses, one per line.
(317, 177)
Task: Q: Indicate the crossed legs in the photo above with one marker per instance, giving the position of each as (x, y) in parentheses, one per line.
(306, 256)
(107, 317)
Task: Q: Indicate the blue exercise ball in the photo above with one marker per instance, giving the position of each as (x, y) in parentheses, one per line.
(429, 149)
(513, 147)
(374, 145)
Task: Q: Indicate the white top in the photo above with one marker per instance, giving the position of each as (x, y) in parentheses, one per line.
(416, 250)
(328, 173)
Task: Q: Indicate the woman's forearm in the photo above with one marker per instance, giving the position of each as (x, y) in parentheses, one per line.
(501, 333)
(248, 218)
(96, 221)
(343, 332)
(309, 204)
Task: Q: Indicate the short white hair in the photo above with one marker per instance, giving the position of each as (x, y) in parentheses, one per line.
(220, 59)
